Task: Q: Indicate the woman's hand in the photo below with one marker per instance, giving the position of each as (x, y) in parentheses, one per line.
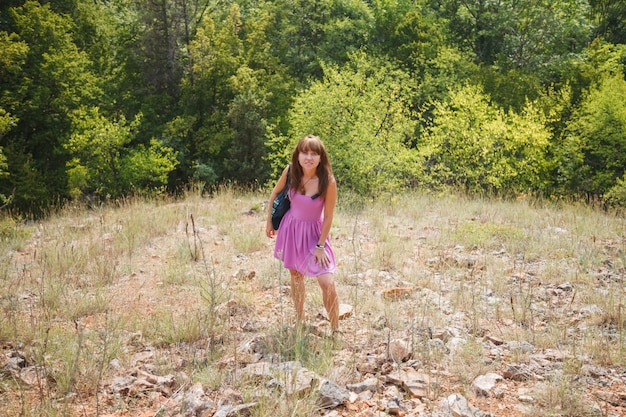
(269, 229)
(321, 256)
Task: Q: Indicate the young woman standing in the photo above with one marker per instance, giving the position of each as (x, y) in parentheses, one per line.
(303, 239)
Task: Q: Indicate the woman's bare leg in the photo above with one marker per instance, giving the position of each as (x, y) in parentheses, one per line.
(331, 301)
(298, 294)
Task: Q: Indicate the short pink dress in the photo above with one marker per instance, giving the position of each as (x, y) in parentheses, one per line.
(298, 234)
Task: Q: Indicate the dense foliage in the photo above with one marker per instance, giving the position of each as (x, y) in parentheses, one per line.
(106, 98)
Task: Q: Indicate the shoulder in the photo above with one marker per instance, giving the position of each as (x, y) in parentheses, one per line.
(332, 185)
(286, 171)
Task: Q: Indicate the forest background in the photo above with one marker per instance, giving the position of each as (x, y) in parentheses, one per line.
(102, 99)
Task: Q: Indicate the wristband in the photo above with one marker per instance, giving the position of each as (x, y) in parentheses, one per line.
(320, 246)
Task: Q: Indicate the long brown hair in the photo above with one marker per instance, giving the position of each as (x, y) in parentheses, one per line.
(324, 172)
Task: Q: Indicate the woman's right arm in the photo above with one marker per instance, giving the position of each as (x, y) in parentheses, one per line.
(280, 184)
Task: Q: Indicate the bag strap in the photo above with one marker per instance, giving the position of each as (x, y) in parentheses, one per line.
(288, 176)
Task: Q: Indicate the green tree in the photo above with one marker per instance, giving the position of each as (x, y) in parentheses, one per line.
(407, 31)
(415, 37)
(305, 34)
(55, 78)
(235, 89)
(476, 25)
(518, 33)
(477, 147)
(104, 163)
(201, 133)
(593, 151)
(6, 121)
(110, 34)
(361, 112)
(297, 34)
(610, 19)
(245, 162)
(146, 169)
(544, 32)
(12, 56)
(599, 61)
(346, 30)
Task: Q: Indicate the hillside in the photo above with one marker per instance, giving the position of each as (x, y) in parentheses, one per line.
(452, 306)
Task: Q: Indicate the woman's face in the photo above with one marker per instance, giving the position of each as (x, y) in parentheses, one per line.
(308, 159)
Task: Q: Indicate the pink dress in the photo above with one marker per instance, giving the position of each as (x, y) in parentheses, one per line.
(298, 234)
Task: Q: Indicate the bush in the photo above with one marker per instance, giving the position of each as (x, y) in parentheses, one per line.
(616, 196)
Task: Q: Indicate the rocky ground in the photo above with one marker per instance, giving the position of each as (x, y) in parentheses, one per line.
(431, 327)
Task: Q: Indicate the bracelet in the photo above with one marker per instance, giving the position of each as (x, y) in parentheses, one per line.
(320, 246)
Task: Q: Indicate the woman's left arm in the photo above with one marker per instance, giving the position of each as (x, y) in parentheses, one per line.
(330, 199)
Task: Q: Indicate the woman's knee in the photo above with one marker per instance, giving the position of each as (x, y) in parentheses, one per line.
(326, 281)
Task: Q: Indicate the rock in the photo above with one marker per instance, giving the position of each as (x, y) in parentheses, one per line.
(399, 350)
(345, 311)
(397, 293)
(370, 384)
(456, 405)
(394, 408)
(495, 340)
(455, 344)
(526, 399)
(464, 261)
(32, 375)
(440, 334)
(262, 370)
(230, 397)
(484, 385)
(195, 401)
(120, 384)
(294, 379)
(413, 382)
(332, 395)
(522, 347)
(516, 373)
(231, 411)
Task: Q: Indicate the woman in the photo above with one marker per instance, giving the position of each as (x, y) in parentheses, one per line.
(303, 241)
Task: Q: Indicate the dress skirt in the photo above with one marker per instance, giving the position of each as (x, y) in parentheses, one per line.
(299, 232)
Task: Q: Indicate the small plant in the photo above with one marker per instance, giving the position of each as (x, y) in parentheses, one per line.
(486, 235)
(13, 233)
(248, 241)
(561, 396)
(467, 361)
(166, 328)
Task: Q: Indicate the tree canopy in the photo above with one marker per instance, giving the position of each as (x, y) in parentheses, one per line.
(104, 99)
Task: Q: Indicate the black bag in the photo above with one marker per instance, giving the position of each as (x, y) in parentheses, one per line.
(281, 204)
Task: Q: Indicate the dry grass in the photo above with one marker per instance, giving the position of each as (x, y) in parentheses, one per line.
(87, 286)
